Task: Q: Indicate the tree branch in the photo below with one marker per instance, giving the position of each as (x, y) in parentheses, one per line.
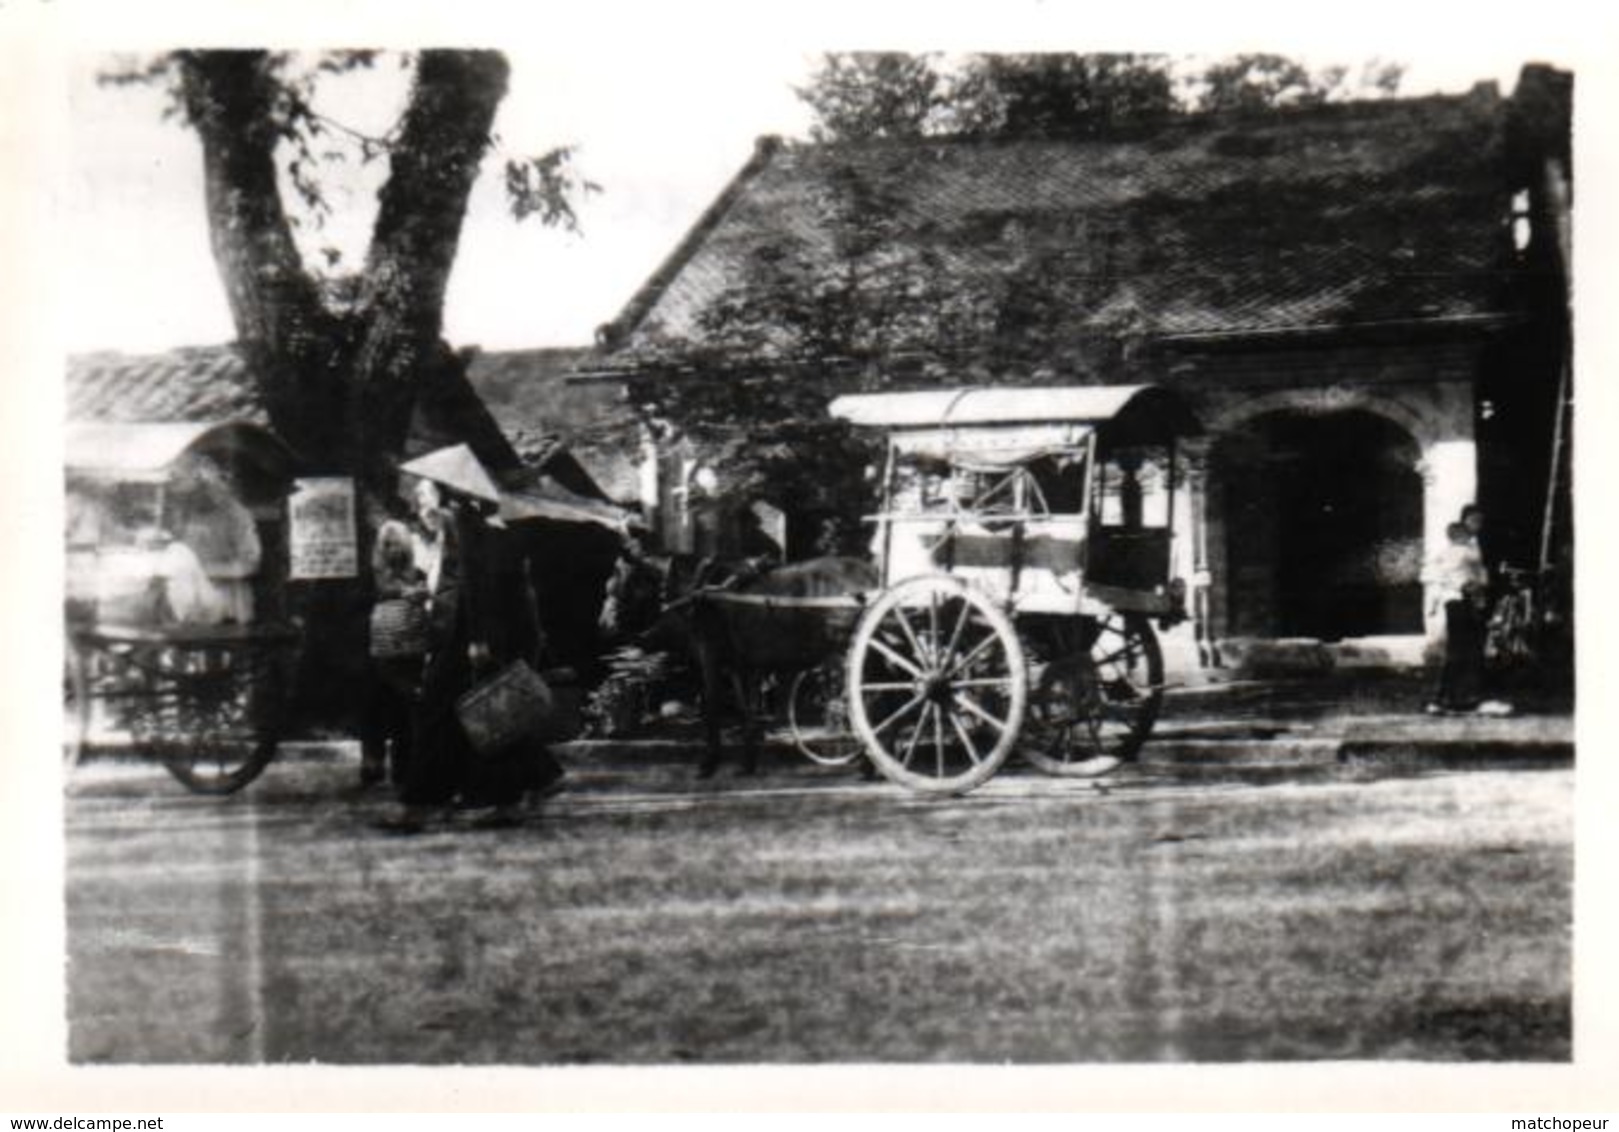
(229, 98)
(433, 165)
(441, 143)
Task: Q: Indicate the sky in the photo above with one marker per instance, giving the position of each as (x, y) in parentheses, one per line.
(660, 122)
(661, 148)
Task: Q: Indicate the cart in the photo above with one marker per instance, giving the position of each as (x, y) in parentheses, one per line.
(177, 643)
(1024, 545)
(799, 643)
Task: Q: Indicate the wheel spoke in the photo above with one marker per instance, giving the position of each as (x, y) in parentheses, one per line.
(910, 745)
(891, 686)
(895, 659)
(938, 738)
(981, 682)
(891, 720)
(1094, 725)
(977, 650)
(967, 703)
(922, 652)
(966, 740)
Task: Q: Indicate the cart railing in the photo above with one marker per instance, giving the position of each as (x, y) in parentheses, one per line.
(183, 634)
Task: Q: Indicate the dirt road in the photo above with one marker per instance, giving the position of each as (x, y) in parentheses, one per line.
(802, 917)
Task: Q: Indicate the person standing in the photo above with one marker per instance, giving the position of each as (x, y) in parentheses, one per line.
(477, 621)
(398, 644)
(1460, 585)
(634, 593)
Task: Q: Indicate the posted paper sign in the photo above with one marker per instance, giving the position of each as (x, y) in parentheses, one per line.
(322, 537)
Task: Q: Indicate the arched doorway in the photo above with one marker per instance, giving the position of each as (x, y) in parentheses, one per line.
(1323, 525)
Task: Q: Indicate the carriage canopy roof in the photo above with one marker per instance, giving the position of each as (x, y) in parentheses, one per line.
(1086, 404)
(1007, 426)
(150, 451)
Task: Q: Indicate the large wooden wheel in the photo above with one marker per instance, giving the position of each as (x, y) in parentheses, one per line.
(937, 685)
(210, 715)
(1093, 708)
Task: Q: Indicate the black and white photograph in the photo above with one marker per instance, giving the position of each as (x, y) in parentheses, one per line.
(706, 545)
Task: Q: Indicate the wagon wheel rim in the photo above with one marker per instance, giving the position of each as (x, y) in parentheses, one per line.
(211, 717)
(937, 685)
(1092, 710)
(818, 715)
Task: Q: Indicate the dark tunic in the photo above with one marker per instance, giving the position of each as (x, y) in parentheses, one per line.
(1461, 679)
(483, 596)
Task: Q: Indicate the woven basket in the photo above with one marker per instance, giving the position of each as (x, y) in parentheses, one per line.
(512, 705)
(399, 628)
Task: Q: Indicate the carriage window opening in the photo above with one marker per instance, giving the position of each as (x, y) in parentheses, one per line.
(921, 487)
(1000, 491)
(1048, 485)
(1061, 480)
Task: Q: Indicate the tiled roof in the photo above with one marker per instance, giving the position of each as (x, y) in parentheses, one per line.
(531, 386)
(195, 383)
(513, 404)
(1331, 216)
(528, 392)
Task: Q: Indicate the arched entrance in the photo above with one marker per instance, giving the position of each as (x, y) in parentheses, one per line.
(1323, 517)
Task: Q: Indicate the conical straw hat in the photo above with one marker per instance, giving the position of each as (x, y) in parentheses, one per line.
(456, 468)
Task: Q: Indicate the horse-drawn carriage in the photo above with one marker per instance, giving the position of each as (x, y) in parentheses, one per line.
(1024, 553)
(178, 642)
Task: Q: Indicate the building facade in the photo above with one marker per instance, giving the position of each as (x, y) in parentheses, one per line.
(1365, 303)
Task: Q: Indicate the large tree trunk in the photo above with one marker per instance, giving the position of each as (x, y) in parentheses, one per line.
(340, 385)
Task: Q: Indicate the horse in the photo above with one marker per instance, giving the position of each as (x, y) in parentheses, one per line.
(743, 623)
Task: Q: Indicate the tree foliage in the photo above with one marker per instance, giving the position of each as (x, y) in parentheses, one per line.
(1062, 95)
(862, 96)
(1254, 83)
(859, 96)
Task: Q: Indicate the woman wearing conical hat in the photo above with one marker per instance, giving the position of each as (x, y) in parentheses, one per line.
(479, 620)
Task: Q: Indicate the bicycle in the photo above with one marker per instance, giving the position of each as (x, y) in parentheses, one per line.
(1512, 638)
